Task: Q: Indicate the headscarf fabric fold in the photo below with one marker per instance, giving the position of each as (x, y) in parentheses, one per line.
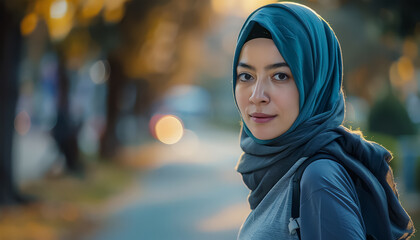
(313, 53)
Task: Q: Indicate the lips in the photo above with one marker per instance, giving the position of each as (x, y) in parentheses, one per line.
(261, 117)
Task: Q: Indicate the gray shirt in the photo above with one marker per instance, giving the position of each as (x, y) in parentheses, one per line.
(329, 206)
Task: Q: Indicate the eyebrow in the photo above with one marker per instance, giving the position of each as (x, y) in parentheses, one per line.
(268, 67)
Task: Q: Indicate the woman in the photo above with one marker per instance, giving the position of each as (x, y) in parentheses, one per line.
(287, 76)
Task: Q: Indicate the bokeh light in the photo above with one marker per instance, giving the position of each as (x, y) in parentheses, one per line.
(58, 9)
(28, 24)
(99, 72)
(171, 59)
(405, 68)
(169, 129)
(401, 71)
(60, 19)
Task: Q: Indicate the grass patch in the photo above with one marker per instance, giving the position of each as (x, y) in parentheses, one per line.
(100, 181)
(67, 206)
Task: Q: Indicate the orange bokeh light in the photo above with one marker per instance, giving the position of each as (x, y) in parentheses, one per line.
(28, 24)
(167, 128)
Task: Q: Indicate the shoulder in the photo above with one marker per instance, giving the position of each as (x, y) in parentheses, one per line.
(329, 206)
(325, 174)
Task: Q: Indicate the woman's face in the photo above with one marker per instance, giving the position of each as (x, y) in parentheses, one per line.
(266, 92)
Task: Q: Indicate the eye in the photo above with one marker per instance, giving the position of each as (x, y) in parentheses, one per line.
(280, 77)
(245, 77)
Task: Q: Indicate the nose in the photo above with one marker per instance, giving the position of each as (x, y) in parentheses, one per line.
(259, 94)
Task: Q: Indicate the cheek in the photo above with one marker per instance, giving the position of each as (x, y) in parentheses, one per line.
(293, 102)
(240, 98)
(295, 98)
(288, 100)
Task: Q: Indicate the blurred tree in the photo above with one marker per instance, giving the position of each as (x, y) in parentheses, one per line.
(390, 117)
(109, 142)
(410, 17)
(148, 45)
(151, 52)
(400, 16)
(65, 131)
(10, 44)
(375, 37)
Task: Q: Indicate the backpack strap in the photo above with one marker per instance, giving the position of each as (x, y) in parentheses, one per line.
(294, 224)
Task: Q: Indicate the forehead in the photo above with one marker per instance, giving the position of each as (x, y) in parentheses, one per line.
(260, 51)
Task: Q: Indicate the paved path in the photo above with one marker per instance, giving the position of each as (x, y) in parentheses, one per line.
(188, 193)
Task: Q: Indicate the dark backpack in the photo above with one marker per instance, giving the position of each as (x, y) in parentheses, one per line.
(294, 224)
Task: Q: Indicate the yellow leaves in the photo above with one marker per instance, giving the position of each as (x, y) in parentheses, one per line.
(241, 8)
(405, 68)
(60, 19)
(91, 8)
(28, 24)
(37, 232)
(114, 10)
(62, 15)
(402, 71)
(58, 14)
(157, 45)
(30, 223)
(114, 15)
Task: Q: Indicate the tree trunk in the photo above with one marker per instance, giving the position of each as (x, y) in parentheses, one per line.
(9, 59)
(65, 131)
(109, 142)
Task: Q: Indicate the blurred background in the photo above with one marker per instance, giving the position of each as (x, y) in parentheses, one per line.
(118, 122)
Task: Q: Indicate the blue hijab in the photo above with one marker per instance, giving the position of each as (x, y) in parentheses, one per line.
(311, 49)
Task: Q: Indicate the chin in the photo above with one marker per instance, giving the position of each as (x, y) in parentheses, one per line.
(264, 136)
